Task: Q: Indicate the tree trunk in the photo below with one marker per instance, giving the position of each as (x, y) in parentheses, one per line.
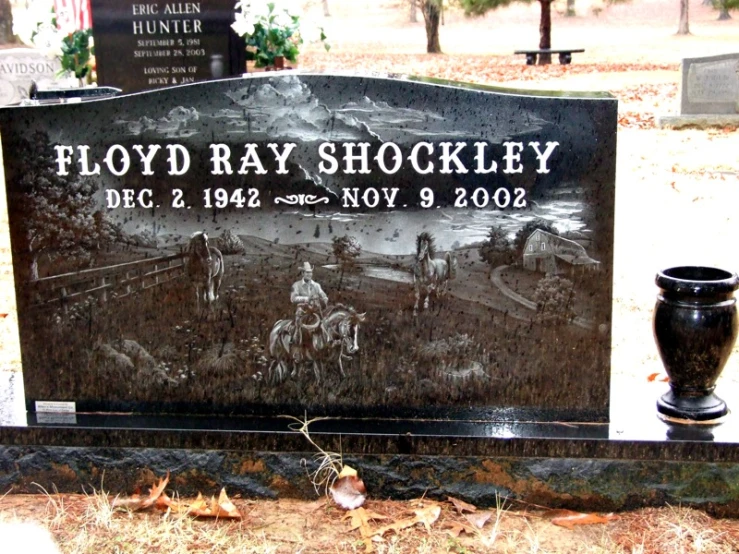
(414, 11)
(545, 31)
(724, 13)
(684, 26)
(432, 17)
(6, 23)
(326, 13)
(570, 8)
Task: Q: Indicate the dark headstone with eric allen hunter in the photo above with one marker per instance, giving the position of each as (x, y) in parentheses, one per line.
(149, 44)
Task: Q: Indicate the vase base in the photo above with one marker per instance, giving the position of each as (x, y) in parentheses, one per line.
(691, 409)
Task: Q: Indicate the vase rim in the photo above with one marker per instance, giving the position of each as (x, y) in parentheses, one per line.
(698, 279)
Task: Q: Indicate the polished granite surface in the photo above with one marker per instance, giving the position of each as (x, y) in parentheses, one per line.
(633, 419)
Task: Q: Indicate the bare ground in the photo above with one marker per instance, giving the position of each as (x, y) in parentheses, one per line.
(676, 198)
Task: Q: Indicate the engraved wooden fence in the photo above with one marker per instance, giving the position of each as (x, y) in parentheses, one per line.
(103, 283)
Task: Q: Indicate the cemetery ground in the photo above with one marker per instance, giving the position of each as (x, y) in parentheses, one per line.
(676, 198)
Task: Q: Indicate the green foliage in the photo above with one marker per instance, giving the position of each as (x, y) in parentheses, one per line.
(554, 297)
(77, 53)
(270, 32)
(270, 40)
(481, 7)
(726, 5)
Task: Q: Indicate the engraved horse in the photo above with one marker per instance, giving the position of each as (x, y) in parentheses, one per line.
(204, 267)
(333, 336)
(431, 275)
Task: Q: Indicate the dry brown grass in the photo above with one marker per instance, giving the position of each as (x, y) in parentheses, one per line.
(89, 524)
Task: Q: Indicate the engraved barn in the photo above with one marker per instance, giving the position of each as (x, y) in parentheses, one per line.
(549, 253)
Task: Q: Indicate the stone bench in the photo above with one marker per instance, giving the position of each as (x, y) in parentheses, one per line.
(565, 55)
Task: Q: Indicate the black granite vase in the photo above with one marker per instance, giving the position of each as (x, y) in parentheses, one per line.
(695, 326)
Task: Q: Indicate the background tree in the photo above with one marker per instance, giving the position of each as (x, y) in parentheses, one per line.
(413, 16)
(431, 10)
(519, 242)
(59, 215)
(481, 7)
(724, 6)
(683, 27)
(555, 300)
(6, 23)
(496, 248)
(346, 249)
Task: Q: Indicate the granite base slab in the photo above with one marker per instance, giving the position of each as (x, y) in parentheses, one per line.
(697, 121)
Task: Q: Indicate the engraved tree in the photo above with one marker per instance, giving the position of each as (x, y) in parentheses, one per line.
(496, 248)
(555, 300)
(346, 249)
(58, 214)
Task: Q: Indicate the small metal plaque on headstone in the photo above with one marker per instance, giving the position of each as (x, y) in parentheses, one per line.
(147, 44)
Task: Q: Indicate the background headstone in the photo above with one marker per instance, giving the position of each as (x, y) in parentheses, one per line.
(19, 67)
(710, 85)
(146, 44)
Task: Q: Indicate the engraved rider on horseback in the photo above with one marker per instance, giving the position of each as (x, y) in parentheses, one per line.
(309, 298)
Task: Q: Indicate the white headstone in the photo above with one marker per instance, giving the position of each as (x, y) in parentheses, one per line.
(710, 85)
(19, 67)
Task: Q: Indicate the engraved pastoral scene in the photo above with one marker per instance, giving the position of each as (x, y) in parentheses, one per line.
(341, 245)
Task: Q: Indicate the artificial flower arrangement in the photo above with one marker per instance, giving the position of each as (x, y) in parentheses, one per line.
(271, 32)
(74, 48)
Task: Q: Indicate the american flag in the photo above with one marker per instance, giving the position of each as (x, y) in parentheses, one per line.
(73, 15)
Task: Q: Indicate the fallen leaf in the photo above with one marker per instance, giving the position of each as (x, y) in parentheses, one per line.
(575, 518)
(461, 505)
(455, 528)
(479, 519)
(426, 516)
(360, 519)
(137, 502)
(226, 508)
(223, 508)
(654, 377)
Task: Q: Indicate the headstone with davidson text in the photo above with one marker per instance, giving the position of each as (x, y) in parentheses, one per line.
(461, 238)
(19, 68)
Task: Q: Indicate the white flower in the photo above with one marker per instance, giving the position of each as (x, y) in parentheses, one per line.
(283, 19)
(243, 25)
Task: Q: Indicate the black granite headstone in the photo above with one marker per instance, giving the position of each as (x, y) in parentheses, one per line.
(147, 44)
(462, 238)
